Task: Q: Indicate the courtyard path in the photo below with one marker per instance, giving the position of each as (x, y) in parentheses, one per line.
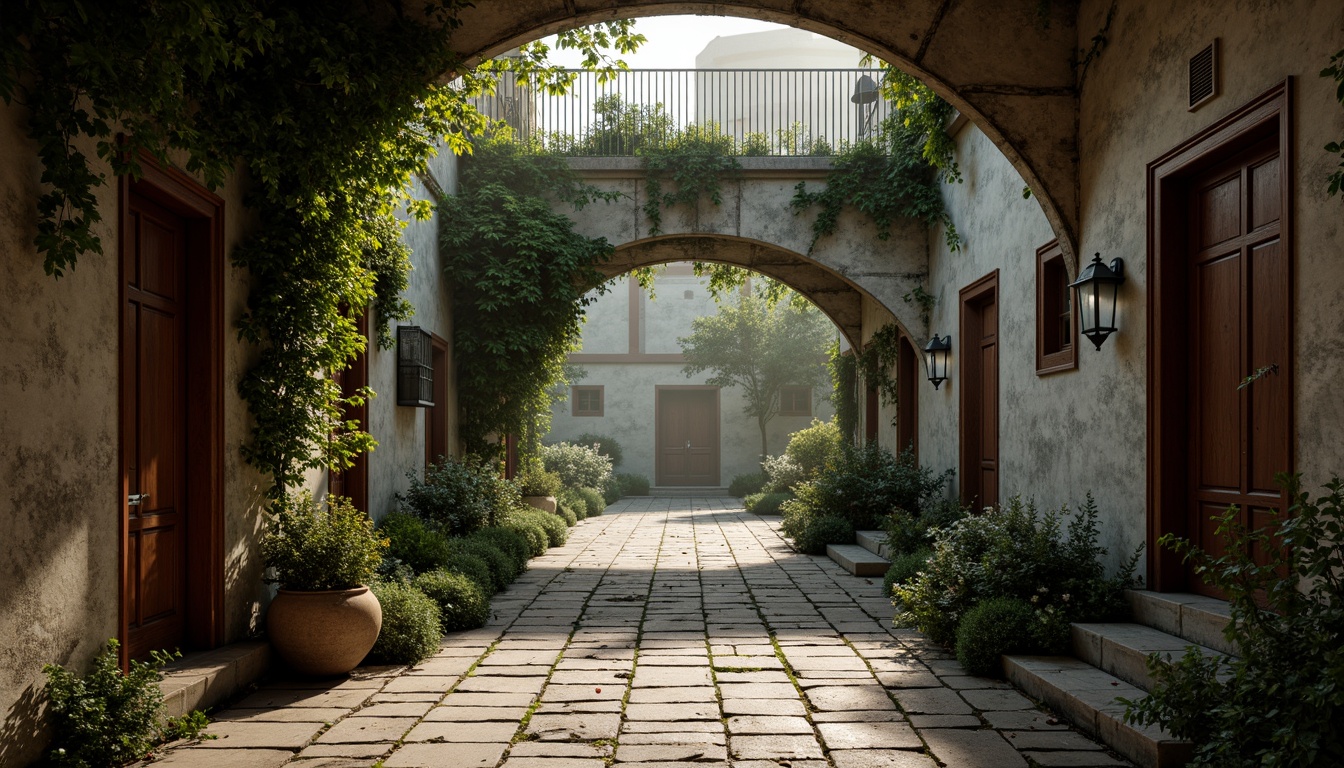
(666, 632)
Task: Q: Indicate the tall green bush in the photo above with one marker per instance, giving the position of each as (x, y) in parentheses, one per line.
(592, 499)
(606, 446)
(864, 485)
(579, 466)
(816, 446)
(457, 496)
(414, 543)
(1280, 701)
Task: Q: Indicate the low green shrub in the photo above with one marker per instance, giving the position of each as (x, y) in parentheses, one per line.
(502, 567)
(457, 497)
(534, 480)
(864, 485)
(579, 466)
(413, 542)
(1280, 701)
(905, 567)
(556, 527)
(765, 503)
(813, 448)
(997, 626)
(513, 544)
(1014, 551)
(471, 565)
(907, 532)
(570, 499)
(567, 515)
(462, 603)
(811, 533)
(633, 485)
(782, 473)
(312, 547)
(592, 500)
(103, 717)
(745, 485)
(411, 630)
(528, 527)
(606, 446)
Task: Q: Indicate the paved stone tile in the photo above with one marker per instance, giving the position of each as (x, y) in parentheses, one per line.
(1054, 740)
(670, 712)
(479, 733)
(236, 735)
(441, 754)
(586, 727)
(778, 747)
(1074, 759)
(764, 724)
(932, 701)
(782, 707)
(224, 758)
(880, 758)
(971, 749)
(868, 736)
(997, 700)
(648, 753)
(281, 715)
(829, 699)
(367, 729)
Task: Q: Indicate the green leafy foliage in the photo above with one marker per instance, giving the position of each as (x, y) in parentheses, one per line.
(411, 624)
(766, 503)
(844, 372)
(997, 626)
(904, 567)
(812, 532)
(633, 485)
(1335, 181)
(415, 543)
(1015, 551)
(866, 484)
(908, 531)
(462, 603)
(607, 446)
(745, 485)
(531, 530)
(1281, 700)
(570, 499)
(458, 496)
(330, 109)
(534, 480)
(500, 565)
(760, 347)
(695, 159)
(557, 533)
(103, 717)
(520, 278)
(815, 447)
(515, 546)
(578, 465)
(782, 473)
(592, 500)
(567, 515)
(878, 360)
(312, 547)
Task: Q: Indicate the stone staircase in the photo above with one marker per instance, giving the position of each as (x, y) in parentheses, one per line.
(1110, 661)
(865, 558)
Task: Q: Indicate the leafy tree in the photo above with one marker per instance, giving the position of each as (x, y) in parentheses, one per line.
(760, 346)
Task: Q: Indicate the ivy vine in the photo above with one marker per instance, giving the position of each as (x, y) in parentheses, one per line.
(696, 161)
(329, 107)
(1335, 181)
(520, 277)
(844, 390)
(878, 359)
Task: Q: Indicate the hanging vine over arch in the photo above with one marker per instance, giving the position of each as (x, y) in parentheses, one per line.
(329, 107)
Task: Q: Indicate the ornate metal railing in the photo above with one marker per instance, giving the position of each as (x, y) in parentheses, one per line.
(746, 111)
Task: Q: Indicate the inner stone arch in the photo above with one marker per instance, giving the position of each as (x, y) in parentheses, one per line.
(1001, 65)
(840, 299)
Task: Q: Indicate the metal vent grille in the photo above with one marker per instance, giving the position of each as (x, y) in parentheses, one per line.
(1204, 75)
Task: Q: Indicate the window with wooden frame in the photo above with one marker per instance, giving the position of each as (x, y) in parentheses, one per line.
(587, 401)
(795, 401)
(1056, 317)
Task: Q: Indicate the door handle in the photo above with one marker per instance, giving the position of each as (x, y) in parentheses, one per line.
(136, 499)
(688, 445)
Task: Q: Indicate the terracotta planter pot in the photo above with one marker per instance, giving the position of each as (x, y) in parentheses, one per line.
(544, 503)
(324, 633)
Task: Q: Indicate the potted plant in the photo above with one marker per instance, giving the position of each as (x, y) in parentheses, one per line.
(324, 619)
(538, 486)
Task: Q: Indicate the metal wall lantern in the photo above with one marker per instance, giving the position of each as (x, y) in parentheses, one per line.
(415, 367)
(936, 355)
(1097, 288)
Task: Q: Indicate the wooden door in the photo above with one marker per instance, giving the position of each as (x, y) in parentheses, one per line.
(1239, 437)
(688, 437)
(907, 407)
(980, 392)
(353, 481)
(153, 408)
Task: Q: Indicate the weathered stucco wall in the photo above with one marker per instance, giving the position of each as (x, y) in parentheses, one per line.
(400, 430)
(1134, 109)
(60, 510)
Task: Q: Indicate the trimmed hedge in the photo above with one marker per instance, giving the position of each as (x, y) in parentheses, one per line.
(512, 543)
(748, 484)
(991, 629)
(411, 630)
(503, 569)
(415, 543)
(766, 503)
(462, 604)
(592, 499)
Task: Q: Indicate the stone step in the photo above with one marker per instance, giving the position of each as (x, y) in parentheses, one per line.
(857, 560)
(1122, 649)
(1195, 618)
(873, 541)
(203, 679)
(1086, 696)
(688, 492)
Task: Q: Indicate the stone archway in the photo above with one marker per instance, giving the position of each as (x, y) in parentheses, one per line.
(1001, 64)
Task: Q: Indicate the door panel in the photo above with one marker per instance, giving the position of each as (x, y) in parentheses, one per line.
(688, 437)
(1240, 436)
(979, 383)
(154, 429)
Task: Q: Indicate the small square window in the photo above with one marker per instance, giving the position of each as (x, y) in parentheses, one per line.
(795, 401)
(587, 401)
(1056, 317)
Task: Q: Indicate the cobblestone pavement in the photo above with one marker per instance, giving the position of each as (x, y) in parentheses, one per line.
(665, 632)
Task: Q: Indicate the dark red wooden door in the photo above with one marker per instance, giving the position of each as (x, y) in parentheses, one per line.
(980, 393)
(1239, 293)
(153, 406)
(353, 481)
(688, 437)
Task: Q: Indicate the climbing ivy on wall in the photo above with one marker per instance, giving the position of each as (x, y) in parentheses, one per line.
(329, 107)
(520, 277)
(844, 393)
(1335, 181)
(695, 161)
(878, 359)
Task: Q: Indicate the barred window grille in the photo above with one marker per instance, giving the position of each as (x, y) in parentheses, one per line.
(415, 367)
